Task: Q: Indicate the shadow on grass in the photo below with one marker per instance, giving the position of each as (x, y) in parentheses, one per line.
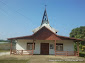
(70, 62)
(14, 61)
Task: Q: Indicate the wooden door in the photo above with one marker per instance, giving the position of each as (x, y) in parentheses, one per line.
(44, 48)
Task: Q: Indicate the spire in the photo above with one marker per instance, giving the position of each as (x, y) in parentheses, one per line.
(45, 18)
(45, 23)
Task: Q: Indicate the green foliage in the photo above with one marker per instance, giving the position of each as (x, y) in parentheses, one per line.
(83, 48)
(78, 32)
(4, 40)
(82, 54)
(75, 47)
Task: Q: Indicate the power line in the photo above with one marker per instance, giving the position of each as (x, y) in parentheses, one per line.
(15, 11)
(3, 11)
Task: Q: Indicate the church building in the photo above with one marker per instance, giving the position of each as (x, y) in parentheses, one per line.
(45, 41)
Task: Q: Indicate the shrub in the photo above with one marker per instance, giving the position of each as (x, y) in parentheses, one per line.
(83, 48)
(82, 54)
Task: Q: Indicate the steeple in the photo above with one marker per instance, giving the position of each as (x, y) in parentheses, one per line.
(45, 18)
(45, 23)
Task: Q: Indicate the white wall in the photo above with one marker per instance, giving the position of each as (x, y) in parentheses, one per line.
(22, 45)
(38, 43)
(68, 45)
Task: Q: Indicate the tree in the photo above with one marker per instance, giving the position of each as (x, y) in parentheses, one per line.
(79, 33)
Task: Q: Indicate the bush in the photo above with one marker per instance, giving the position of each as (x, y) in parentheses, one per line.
(83, 48)
(82, 54)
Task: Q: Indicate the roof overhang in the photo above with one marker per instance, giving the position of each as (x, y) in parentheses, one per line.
(57, 37)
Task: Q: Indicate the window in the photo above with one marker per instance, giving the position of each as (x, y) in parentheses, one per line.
(51, 46)
(59, 47)
(30, 46)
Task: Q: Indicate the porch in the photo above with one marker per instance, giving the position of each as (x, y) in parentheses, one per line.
(58, 53)
(65, 52)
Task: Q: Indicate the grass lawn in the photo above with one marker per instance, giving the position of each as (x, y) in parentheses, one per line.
(14, 61)
(38, 59)
(70, 62)
(26, 61)
(4, 50)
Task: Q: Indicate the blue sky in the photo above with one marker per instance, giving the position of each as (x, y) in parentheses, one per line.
(20, 17)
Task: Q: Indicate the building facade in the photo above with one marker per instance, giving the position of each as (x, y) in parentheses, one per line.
(45, 41)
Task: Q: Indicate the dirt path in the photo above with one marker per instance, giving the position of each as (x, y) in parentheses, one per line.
(4, 53)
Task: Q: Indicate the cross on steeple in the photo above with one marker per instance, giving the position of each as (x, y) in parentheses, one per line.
(45, 17)
(45, 6)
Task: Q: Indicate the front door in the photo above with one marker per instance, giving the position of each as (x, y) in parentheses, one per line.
(44, 48)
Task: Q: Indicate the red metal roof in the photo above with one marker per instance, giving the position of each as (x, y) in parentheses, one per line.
(45, 34)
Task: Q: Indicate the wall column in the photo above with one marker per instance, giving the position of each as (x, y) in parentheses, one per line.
(33, 47)
(77, 48)
(11, 47)
(55, 47)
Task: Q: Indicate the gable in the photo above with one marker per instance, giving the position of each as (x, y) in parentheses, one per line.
(45, 34)
(45, 25)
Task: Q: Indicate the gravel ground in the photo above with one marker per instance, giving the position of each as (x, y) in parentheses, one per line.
(4, 53)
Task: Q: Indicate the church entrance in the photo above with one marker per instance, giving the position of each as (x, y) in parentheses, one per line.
(44, 49)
